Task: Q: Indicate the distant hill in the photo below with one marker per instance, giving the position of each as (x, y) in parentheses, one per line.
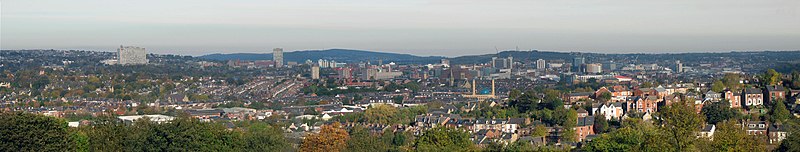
(518, 56)
(339, 55)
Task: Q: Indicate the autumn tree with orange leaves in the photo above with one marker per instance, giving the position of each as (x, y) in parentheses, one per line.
(332, 138)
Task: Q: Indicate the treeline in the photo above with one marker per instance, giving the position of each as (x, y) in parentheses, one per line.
(32, 132)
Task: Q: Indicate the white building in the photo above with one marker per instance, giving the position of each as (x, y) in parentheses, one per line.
(128, 55)
(594, 68)
(153, 118)
(541, 64)
(315, 72)
(277, 56)
(610, 110)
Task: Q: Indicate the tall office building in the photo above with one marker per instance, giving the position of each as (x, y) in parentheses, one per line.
(315, 72)
(127, 55)
(577, 64)
(678, 66)
(541, 64)
(277, 56)
(511, 62)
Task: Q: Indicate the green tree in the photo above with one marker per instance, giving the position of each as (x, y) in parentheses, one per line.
(605, 96)
(361, 140)
(600, 124)
(718, 112)
(717, 86)
(792, 141)
(382, 114)
(444, 139)
(539, 130)
(31, 132)
(680, 122)
(771, 77)
(729, 137)
(569, 123)
(732, 81)
(636, 135)
(514, 94)
(779, 112)
(261, 136)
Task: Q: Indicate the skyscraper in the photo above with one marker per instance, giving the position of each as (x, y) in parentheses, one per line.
(541, 64)
(127, 55)
(315, 72)
(511, 62)
(577, 64)
(277, 55)
(678, 66)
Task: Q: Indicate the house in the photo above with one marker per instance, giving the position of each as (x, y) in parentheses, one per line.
(777, 133)
(707, 131)
(505, 125)
(534, 141)
(775, 92)
(756, 127)
(734, 98)
(642, 92)
(582, 112)
(584, 127)
(753, 97)
(620, 91)
(575, 97)
(599, 92)
(646, 104)
(205, 114)
(177, 98)
(609, 110)
(712, 96)
(661, 91)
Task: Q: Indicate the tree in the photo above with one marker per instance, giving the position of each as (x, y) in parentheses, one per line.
(398, 99)
(600, 124)
(382, 114)
(361, 140)
(570, 121)
(718, 112)
(539, 130)
(636, 135)
(514, 94)
(730, 137)
(260, 136)
(771, 77)
(331, 138)
(444, 139)
(731, 81)
(717, 86)
(605, 96)
(680, 123)
(779, 112)
(792, 141)
(413, 86)
(30, 132)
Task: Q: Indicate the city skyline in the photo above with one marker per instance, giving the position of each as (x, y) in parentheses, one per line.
(425, 28)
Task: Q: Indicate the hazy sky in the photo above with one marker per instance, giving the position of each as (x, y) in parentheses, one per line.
(432, 27)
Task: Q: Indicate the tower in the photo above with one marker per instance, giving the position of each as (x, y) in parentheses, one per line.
(315, 72)
(492, 88)
(277, 56)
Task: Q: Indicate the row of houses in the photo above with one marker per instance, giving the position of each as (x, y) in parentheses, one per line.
(774, 132)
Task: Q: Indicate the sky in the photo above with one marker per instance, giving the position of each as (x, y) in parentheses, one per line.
(420, 27)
